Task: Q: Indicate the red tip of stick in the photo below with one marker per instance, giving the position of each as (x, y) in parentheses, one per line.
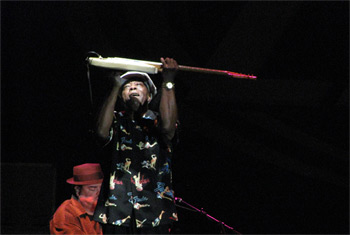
(239, 75)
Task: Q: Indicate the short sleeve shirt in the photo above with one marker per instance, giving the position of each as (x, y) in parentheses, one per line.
(140, 179)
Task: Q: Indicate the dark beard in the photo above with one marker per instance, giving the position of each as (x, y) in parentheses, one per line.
(133, 105)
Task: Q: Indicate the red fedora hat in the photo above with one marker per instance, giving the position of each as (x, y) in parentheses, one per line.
(88, 173)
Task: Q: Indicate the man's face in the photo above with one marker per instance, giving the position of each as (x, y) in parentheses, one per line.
(88, 196)
(135, 90)
(91, 191)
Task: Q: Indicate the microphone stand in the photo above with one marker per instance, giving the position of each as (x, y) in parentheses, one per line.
(222, 224)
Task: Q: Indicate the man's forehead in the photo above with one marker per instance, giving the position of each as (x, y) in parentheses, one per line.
(136, 79)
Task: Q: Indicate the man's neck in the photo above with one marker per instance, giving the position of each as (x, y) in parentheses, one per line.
(135, 115)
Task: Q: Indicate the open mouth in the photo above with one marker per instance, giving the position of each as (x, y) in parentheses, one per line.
(134, 95)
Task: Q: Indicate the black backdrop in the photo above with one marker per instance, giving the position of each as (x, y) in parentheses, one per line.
(265, 156)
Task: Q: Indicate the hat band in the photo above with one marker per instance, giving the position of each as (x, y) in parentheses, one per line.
(94, 176)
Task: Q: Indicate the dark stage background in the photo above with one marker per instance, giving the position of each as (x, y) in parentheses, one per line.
(269, 156)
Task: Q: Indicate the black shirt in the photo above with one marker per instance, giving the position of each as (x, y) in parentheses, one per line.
(140, 179)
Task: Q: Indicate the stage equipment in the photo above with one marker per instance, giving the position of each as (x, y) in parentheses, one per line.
(194, 209)
(154, 67)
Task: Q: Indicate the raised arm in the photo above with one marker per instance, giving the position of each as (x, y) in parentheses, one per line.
(168, 107)
(105, 116)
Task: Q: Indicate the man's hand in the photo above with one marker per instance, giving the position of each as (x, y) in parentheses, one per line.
(170, 68)
(117, 81)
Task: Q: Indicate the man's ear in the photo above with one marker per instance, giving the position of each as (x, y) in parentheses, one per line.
(149, 98)
(77, 190)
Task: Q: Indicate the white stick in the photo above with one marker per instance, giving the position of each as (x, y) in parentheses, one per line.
(125, 64)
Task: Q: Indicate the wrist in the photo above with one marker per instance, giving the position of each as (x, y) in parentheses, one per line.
(168, 85)
(168, 77)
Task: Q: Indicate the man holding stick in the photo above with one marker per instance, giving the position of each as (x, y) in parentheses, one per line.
(137, 197)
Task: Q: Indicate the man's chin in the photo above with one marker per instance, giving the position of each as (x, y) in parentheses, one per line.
(133, 104)
(89, 203)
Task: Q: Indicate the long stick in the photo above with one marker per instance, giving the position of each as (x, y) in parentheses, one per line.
(216, 71)
(154, 67)
(206, 214)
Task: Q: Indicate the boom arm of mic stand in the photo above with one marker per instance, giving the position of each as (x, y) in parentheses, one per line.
(206, 214)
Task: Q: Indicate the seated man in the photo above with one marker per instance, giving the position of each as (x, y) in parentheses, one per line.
(74, 216)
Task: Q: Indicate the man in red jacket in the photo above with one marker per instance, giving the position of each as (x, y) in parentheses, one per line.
(74, 216)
